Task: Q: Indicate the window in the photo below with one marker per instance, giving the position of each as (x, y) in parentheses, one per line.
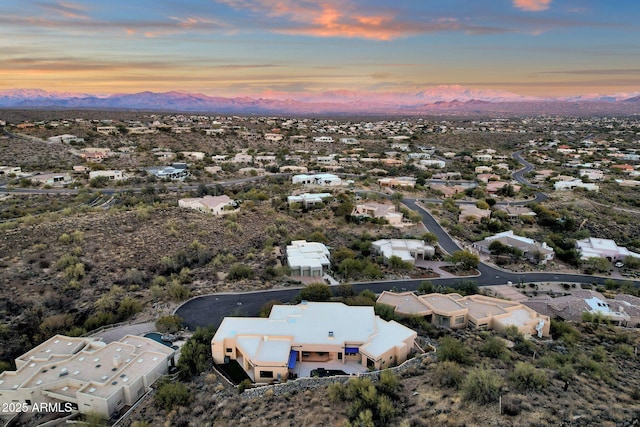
(339, 356)
(229, 350)
(460, 320)
(266, 374)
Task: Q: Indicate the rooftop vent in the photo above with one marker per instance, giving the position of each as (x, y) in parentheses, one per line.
(330, 334)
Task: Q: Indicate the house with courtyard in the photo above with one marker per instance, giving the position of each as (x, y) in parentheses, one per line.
(308, 259)
(334, 335)
(92, 376)
(474, 311)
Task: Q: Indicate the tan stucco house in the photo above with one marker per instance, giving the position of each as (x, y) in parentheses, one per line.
(476, 311)
(268, 349)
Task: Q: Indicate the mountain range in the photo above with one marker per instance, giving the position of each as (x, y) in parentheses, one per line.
(445, 99)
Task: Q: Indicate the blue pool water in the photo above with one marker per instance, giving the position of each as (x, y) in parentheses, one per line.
(157, 337)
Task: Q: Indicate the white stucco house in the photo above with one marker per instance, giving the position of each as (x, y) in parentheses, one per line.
(308, 259)
(408, 250)
(603, 248)
(112, 175)
(322, 179)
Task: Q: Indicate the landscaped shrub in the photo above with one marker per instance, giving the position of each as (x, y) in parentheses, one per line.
(482, 386)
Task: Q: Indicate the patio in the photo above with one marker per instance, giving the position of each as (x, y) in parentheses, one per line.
(303, 369)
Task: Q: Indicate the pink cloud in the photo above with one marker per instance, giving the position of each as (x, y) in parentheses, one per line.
(532, 5)
(333, 18)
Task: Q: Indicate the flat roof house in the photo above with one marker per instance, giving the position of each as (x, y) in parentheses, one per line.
(320, 332)
(91, 375)
(217, 205)
(408, 250)
(603, 248)
(477, 311)
(379, 210)
(323, 179)
(308, 259)
(55, 179)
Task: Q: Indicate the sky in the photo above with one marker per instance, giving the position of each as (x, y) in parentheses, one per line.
(268, 47)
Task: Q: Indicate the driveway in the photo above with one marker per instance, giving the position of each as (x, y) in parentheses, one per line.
(119, 332)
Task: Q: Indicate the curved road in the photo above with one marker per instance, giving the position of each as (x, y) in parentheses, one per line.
(209, 310)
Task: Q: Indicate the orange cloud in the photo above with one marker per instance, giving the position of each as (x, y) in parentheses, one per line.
(532, 5)
(331, 18)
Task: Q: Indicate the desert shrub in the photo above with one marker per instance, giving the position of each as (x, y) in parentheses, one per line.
(482, 386)
(177, 292)
(511, 406)
(449, 374)
(624, 350)
(599, 353)
(566, 372)
(240, 271)
(169, 324)
(526, 377)
(316, 292)
(453, 350)
(195, 354)
(244, 384)
(128, 307)
(563, 330)
(495, 348)
(172, 394)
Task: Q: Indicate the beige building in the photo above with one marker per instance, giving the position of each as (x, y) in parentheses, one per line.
(91, 375)
(325, 332)
(476, 311)
(217, 205)
(379, 210)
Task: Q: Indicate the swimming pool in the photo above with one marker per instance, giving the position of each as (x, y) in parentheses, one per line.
(158, 337)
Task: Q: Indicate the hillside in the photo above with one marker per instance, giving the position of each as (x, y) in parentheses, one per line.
(585, 376)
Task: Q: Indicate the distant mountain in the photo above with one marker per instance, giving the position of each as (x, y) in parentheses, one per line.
(446, 99)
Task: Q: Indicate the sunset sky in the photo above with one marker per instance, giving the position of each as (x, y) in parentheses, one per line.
(261, 47)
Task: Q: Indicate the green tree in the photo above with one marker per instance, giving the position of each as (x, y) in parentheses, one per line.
(195, 354)
(316, 292)
(464, 260)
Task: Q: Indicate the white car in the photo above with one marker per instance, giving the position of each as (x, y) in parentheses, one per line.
(619, 264)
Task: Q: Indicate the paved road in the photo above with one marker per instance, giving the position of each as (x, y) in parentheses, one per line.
(209, 310)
